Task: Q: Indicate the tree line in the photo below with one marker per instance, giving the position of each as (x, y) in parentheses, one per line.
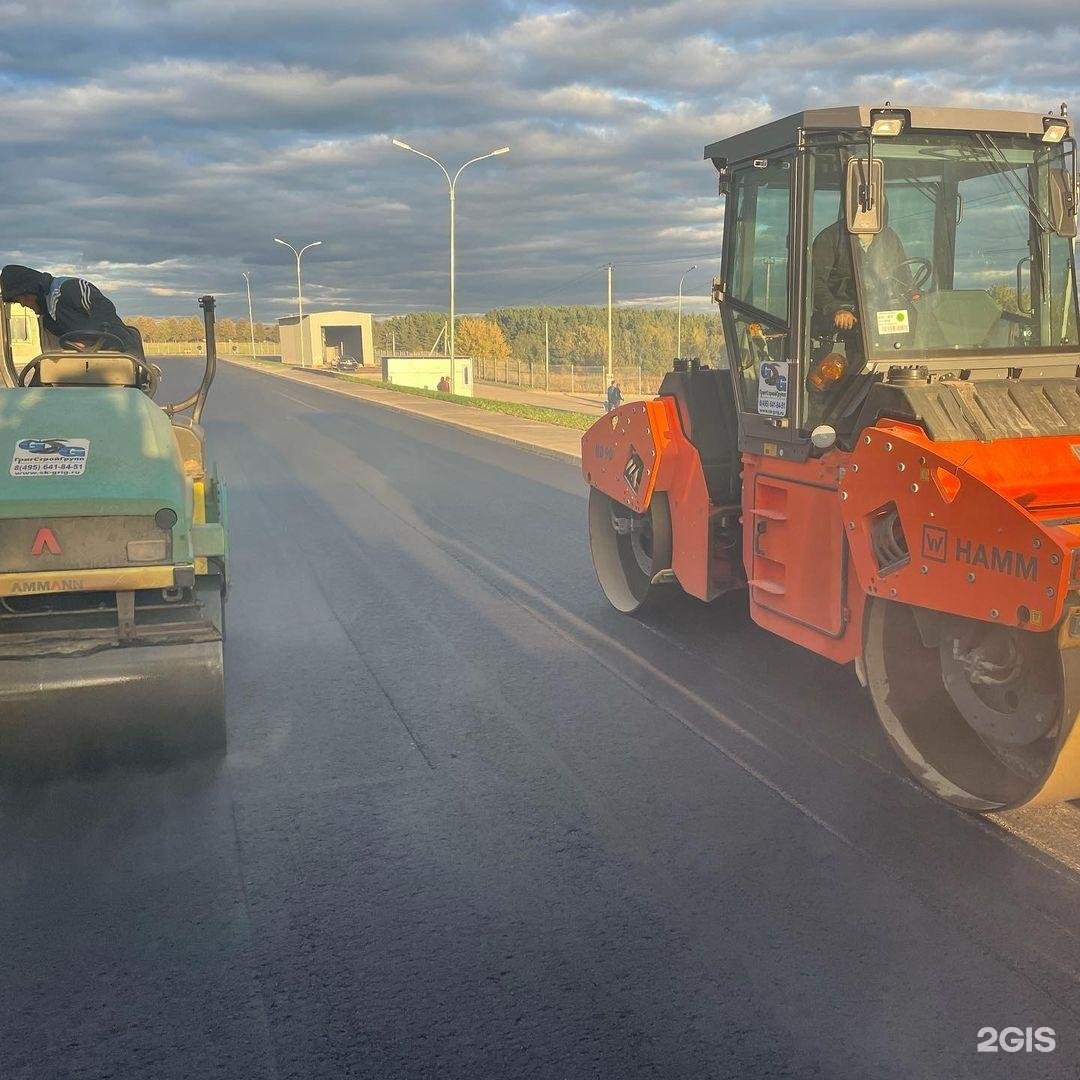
(190, 328)
(575, 333)
(640, 336)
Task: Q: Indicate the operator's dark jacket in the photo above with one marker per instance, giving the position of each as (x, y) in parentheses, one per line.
(834, 279)
(70, 304)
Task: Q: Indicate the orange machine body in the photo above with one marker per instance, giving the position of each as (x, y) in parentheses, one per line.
(991, 527)
(640, 448)
(989, 530)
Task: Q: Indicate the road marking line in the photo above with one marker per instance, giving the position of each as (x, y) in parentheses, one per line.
(313, 408)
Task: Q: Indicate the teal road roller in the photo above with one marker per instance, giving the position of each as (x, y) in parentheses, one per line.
(113, 562)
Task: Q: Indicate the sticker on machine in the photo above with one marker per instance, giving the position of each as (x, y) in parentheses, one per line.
(50, 457)
(772, 389)
(893, 322)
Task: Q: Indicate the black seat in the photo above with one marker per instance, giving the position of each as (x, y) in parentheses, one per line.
(710, 420)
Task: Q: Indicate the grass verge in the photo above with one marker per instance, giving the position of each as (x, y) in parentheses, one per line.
(559, 417)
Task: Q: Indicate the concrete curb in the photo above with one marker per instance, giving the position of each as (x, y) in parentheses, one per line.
(493, 436)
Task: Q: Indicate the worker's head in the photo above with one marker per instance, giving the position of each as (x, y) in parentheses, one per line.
(22, 285)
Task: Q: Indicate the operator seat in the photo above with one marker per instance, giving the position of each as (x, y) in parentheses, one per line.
(707, 408)
(959, 317)
(93, 369)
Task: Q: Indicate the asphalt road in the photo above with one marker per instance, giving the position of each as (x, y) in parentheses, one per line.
(474, 824)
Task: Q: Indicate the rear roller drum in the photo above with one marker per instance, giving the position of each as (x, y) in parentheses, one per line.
(148, 706)
(979, 713)
(630, 551)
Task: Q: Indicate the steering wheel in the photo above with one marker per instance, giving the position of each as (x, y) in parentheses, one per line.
(147, 375)
(88, 341)
(922, 273)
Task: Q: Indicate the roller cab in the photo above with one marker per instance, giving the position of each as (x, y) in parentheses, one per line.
(113, 567)
(892, 465)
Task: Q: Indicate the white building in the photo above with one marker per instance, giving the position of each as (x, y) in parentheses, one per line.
(426, 371)
(326, 336)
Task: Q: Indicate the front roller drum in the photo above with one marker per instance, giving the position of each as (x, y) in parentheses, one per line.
(631, 552)
(984, 716)
(148, 706)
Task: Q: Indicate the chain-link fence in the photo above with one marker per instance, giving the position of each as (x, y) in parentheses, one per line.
(568, 376)
(265, 349)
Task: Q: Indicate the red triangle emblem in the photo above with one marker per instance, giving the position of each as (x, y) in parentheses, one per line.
(45, 541)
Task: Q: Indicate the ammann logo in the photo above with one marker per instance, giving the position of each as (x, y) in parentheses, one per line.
(53, 585)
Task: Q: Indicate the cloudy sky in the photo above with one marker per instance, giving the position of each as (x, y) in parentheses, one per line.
(157, 148)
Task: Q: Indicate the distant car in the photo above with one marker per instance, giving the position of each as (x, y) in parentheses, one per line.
(347, 363)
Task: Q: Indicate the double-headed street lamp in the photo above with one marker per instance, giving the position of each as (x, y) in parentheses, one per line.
(453, 191)
(299, 291)
(681, 280)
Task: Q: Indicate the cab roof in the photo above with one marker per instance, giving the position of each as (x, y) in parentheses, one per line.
(778, 134)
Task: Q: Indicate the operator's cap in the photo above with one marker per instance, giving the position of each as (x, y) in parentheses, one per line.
(18, 280)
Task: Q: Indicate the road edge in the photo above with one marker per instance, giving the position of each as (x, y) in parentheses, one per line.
(492, 436)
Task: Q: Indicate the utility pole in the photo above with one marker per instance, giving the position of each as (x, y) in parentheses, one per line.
(547, 358)
(251, 322)
(610, 367)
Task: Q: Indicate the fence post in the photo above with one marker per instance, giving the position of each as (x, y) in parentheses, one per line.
(571, 376)
(639, 378)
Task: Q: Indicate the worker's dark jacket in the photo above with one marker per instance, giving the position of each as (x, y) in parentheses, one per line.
(834, 280)
(73, 304)
(69, 305)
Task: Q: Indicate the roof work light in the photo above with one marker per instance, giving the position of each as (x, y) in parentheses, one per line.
(1055, 128)
(886, 122)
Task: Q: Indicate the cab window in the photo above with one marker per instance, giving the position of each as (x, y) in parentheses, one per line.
(758, 283)
(759, 276)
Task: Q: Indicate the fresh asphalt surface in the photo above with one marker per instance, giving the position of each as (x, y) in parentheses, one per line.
(473, 823)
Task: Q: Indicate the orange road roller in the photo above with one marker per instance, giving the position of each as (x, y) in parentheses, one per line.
(889, 460)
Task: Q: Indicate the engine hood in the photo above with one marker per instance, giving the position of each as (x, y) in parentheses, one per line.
(86, 450)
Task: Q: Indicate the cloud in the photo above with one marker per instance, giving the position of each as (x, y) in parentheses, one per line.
(161, 146)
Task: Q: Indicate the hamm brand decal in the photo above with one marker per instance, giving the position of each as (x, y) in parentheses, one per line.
(997, 560)
(936, 546)
(50, 457)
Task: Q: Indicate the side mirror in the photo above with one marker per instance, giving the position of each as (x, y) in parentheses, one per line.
(1062, 203)
(864, 196)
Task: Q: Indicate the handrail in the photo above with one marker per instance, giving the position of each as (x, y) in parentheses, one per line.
(7, 361)
(197, 400)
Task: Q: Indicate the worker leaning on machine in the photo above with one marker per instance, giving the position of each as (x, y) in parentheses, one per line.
(67, 305)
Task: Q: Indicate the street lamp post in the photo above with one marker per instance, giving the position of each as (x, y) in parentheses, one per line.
(681, 280)
(453, 194)
(299, 291)
(251, 321)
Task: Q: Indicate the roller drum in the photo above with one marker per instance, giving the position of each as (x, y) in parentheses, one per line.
(146, 705)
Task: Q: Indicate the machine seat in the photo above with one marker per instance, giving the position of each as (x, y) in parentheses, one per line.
(962, 317)
(707, 408)
(90, 369)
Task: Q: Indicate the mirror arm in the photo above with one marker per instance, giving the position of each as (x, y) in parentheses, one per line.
(868, 201)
